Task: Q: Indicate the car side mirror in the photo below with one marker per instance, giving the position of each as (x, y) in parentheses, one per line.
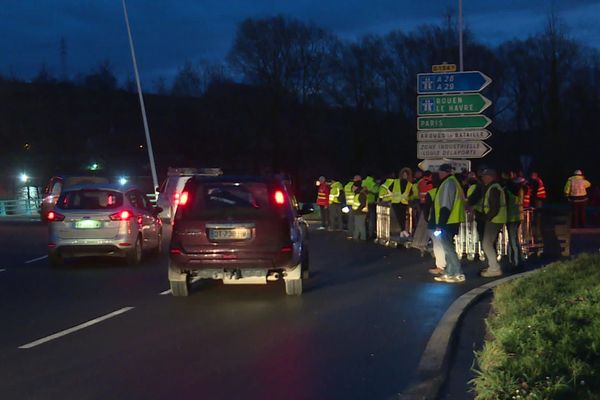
(307, 208)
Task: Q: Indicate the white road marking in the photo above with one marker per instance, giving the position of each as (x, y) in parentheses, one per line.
(36, 259)
(75, 328)
(165, 292)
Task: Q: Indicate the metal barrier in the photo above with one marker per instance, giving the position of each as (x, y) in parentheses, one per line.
(467, 242)
(16, 208)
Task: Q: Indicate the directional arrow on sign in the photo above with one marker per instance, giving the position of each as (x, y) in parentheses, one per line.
(453, 134)
(466, 149)
(453, 122)
(472, 103)
(434, 165)
(452, 82)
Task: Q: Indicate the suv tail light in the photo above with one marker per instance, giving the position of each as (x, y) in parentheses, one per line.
(176, 196)
(183, 199)
(279, 197)
(124, 215)
(54, 216)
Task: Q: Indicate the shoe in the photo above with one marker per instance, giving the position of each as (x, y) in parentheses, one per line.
(486, 273)
(436, 271)
(450, 279)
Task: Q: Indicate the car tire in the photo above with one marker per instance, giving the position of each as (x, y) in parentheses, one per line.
(293, 287)
(56, 259)
(134, 255)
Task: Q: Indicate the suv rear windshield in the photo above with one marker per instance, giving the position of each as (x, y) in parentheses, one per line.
(89, 199)
(230, 200)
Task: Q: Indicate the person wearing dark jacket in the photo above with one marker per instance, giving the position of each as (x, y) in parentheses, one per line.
(360, 208)
(494, 211)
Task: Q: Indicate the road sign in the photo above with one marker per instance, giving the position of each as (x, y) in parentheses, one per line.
(434, 165)
(453, 134)
(472, 103)
(466, 149)
(453, 122)
(443, 68)
(452, 82)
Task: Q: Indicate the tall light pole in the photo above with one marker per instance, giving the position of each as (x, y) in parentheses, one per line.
(142, 106)
(460, 35)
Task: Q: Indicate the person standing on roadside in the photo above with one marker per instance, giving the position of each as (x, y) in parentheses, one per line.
(360, 211)
(401, 190)
(513, 189)
(336, 199)
(448, 214)
(494, 210)
(323, 201)
(576, 192)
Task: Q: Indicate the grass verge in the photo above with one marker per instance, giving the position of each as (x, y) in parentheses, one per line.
(543, 335)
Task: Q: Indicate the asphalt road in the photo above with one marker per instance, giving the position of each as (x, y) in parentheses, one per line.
(357, 332)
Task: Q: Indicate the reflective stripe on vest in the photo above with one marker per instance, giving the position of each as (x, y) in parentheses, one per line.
(356, 204)
(500, 218)
(334, 194)
(349, 193)
(457, 214)
(397, 195)
(385, 193)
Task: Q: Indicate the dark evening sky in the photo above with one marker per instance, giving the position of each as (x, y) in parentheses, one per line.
(167, 33)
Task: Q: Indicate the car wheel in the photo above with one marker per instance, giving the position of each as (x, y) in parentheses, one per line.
(134, 256)
(56, 259)
(180, 288)
(293, 287)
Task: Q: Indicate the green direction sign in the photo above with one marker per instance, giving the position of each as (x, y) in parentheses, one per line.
(471, 103)
(453, 122)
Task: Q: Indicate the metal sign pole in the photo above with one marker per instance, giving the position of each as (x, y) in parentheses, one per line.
(143, 108)
(460, 35)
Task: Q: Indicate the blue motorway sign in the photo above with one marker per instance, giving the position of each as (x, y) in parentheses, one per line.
(452, 82)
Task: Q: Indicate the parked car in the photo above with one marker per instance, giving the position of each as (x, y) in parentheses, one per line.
(54, 188)
(170, 189)
(103, 220)
(239, 230)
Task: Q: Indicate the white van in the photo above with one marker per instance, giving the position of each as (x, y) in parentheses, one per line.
(170, 189)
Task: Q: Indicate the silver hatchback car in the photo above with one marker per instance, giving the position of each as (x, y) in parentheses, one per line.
(103, 220)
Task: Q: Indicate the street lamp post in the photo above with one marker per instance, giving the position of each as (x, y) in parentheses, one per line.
(460, 35)
(142, 106)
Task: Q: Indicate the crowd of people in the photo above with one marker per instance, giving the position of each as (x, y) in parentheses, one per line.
(439, 203)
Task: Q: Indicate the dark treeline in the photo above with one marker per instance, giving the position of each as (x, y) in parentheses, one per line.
(294, 97)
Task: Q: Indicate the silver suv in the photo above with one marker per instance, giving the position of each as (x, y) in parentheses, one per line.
(103, 220)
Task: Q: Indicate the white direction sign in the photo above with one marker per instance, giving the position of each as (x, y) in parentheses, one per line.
(464, 149)
(434, 165)
(459, 134)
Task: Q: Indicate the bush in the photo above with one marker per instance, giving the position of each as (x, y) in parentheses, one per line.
(544, 335)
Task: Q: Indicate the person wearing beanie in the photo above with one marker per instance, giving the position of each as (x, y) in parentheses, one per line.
(576, 192)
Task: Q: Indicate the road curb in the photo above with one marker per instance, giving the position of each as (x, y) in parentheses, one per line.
(432, 370)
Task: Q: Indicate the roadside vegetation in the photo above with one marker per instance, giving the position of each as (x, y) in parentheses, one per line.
(543, 335)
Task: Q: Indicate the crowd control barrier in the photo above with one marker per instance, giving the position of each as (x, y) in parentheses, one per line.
(467, 242)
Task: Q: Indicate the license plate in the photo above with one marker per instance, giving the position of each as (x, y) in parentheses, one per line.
(87, 224)
(229, 234)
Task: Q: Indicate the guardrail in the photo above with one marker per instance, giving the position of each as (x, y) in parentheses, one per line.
(17, 208)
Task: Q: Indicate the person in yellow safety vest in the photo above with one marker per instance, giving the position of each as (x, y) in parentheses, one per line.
(372, 194)
(401, 189)
(576, 192)
(447, 213)
(514, 191)
(336, 197)
(475, 192)
(494, 209)
(360, 210)
(349, 193)
(385, 194)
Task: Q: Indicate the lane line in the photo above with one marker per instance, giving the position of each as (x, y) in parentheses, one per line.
(75, 328)
(36, 259)
(165, 292)
(2, 270)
